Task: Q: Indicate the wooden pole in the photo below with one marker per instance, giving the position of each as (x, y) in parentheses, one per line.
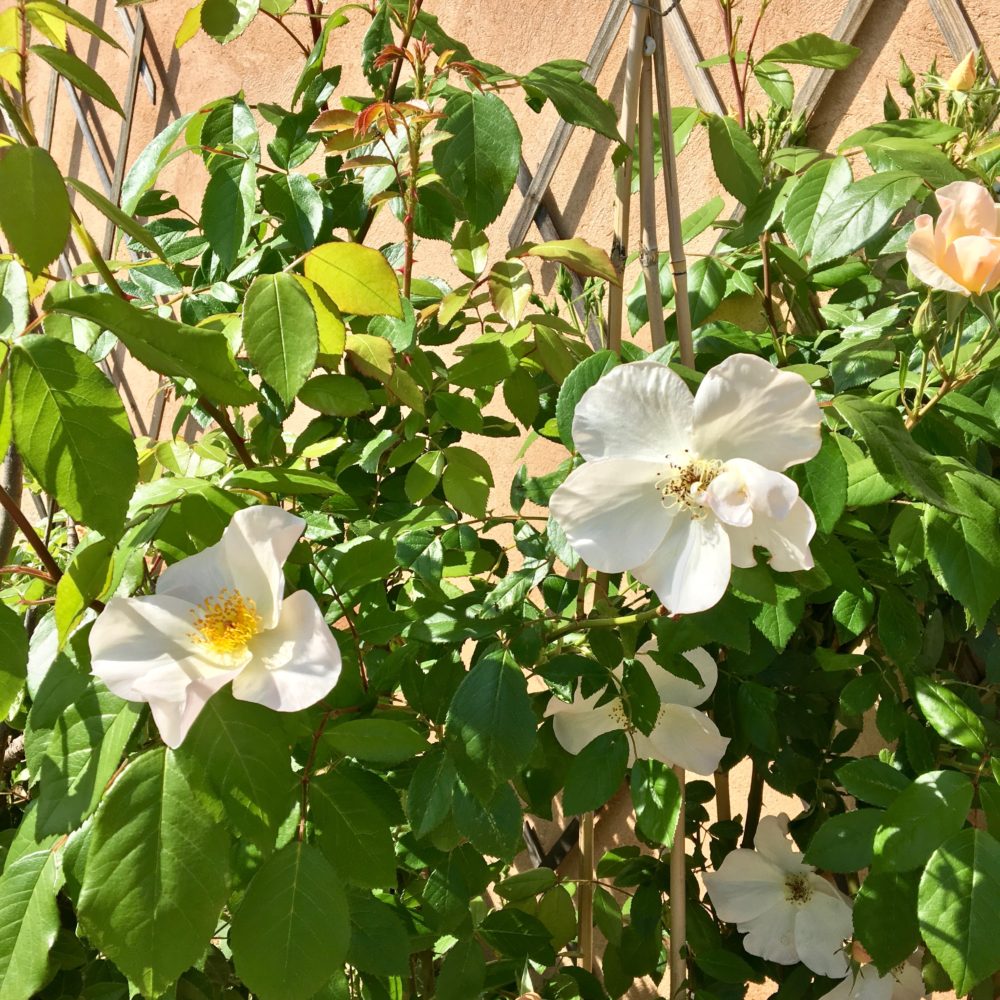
(649, 254)
(623, 176)
(678, 260)
(678, 901)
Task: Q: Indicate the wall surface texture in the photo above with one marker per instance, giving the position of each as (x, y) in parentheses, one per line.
(518, 35)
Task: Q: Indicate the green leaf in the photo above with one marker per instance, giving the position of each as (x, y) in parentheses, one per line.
(896, 455)
(72, 432)
(493, 826)
(906, 539)
(949, 716)
(357, 278)
(518, 935)
(872, 780)
(596, 773)
(964, 551)
(79, 74)
(225, 20)
(586, 374)
(845, 843)
(824, 485)
(85, 579)
(143, 172)
(288, 482)
(280, 332)
(237, 748)
(292, 930)
(916, 156)
(50, 9)
(29, 923)
(467, 480)
(336, 395)
(432, 787)
(167, 347)
(816, 192)
(510, 288)
(576, 99)
(735, 157)
(885, 917)
(361, 561)
(14, 301)
(379, 942)
(959, 907)
(37, 221)
(155, 880)
(13, 657)
(479, 162)
(490, 726)
(656, 798)
(377, 37)
(382, 741)
(463, 972)
(813, 49)
(900, 628)
(228, 206)
(423, 476)
(928, 129)
(353, 832)
(126, 223)
(920, 818)
(470, 250)
(861, 212)
(776, 82)
(576, 254)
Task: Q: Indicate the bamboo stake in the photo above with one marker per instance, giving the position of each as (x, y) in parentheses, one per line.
(623, 176)
(649, 254)
(678, 260)
(587, 893)
(678, 901)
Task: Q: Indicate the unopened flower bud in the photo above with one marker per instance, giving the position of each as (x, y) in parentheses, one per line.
(925, 323)
(963, 77)
(906, 77)
(889, 107)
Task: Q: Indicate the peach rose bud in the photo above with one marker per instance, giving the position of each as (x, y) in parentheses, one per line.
(963, 76)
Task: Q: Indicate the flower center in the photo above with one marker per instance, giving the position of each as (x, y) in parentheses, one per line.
(683, 483)
(226, 622)
(797, 889)
(617, 711)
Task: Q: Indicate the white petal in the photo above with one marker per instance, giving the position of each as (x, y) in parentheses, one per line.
(690, 570)
(745, 886)
(248, 558)
(674, 690)
(174, 718)
(747, 408)
(786, 540)
(295, 663)
(908, 983)
(640, 410)
(771, 842)
(576, 724)
(771, 936)
(729, 498)
(820, 930)
(685, 737)
(768, 492)
(612, 513)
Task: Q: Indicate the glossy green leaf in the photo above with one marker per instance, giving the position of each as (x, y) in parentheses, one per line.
(463, 972)
(29, 923)
(959, 907)
(13, 657)
(816, 192)
(862, 212)
(225, 20)
(479, 162)
(921, 818)
(576, 254)
(813, 49)
(656, 798)
(336, 395)
(885, 917)
(357, 278)
(14, 303)
(155, 879)
(432, 787)
(380, 740)
(576, 99)
(510, 288)
(85, 579)
(37, 221)
(168, 347)
(72, 432)
(143, 173)
(126, 223)
(280, 332)
(872, 780)
(586, 374)
(470, 250)
(467, 480)
(845, 843)
(82, 76)
(292, 930)
(596, 773)
(227, 207)
(63, 12)
(900, 629)
(949, 716)
(736, 160)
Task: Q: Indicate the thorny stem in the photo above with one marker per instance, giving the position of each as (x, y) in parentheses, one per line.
(772, 320)
(314, 17)
(753, 38)
(219, 415)
(16, 514)
(411, 19)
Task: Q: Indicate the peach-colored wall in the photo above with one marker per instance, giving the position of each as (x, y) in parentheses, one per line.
(516, 34)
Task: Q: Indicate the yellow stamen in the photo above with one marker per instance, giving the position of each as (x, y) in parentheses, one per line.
(228, 622)
(797, 889)
(683, 484)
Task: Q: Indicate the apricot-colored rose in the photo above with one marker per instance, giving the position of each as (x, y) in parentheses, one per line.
(963, 76)
(960, 252)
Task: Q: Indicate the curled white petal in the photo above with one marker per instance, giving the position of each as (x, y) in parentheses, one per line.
(821, 927)
(771, 841)
(747, 408)
(771, 936)
(745, 886)
(674, 690)
(787, 540)
(294, 664)
(684, 737)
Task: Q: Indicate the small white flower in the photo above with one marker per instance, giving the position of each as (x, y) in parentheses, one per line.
(678, 489)
(788, 913)
(902, 983)
(219, 616)
(682, 735)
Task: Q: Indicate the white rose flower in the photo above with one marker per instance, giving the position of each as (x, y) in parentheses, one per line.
(902, 983)
(678, 489)
(218, 616)
(682, 735)
(788, 913)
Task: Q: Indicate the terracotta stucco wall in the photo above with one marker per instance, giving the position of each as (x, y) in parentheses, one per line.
(518, 35)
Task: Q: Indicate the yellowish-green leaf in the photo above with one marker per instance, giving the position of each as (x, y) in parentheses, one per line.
(576, 254)
(79, 74)
(36, 222)
(190, 24)
(372, 356)
(510, 288)
(357, 278)
(85, 579)
(53, 9)
(332, 331)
